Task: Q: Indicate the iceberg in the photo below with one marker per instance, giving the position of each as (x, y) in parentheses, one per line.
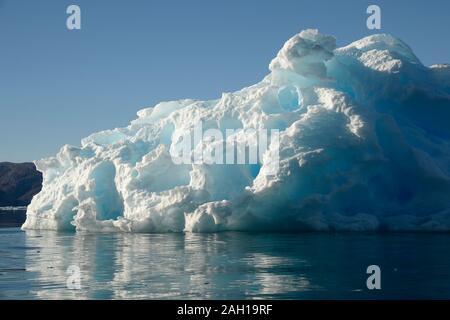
(364, 145)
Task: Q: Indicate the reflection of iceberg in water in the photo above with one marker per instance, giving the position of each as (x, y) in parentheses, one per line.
(231, 265)
(273, 283)
(127, 266)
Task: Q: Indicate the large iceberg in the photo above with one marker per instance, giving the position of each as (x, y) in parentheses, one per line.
(364, 144)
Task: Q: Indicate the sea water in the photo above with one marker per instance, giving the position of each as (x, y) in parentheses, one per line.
(227, 265)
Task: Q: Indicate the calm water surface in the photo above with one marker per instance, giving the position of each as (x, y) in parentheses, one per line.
(231, 265)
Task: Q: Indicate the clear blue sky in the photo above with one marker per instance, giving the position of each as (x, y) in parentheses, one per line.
(57, 86)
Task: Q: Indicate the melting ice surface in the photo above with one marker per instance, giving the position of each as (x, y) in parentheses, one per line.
(364, 145)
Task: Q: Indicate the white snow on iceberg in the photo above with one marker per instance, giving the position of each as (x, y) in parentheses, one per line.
(364, 145)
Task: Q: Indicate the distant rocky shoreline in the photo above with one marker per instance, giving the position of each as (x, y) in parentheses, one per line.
(19, 182)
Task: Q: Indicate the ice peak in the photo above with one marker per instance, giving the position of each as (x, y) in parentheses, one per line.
(378, 43)
(305, 54)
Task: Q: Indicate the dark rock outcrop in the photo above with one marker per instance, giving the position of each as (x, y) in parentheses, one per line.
(19, 182)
